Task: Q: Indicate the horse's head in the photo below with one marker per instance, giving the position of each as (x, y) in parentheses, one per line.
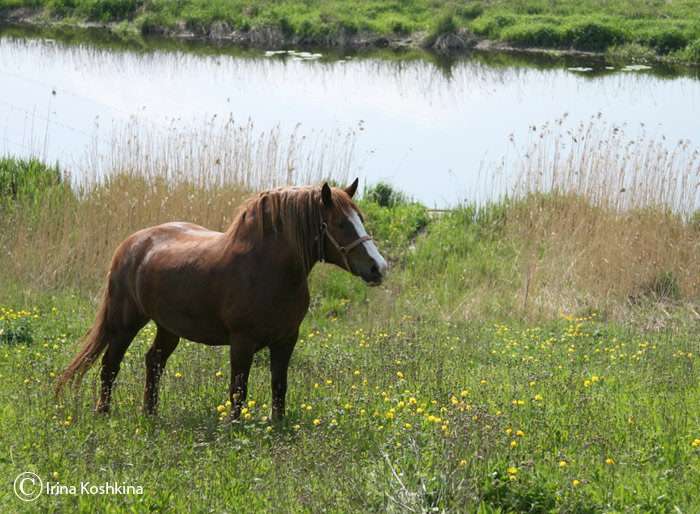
(344, 240)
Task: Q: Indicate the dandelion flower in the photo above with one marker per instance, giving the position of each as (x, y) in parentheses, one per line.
(562, 463)
(399, 374)
(509, 431)
(587, 383)
(317, 421)
(512, 470)
(575, 483)
(520, 433)
(513, 444)
(609, 461)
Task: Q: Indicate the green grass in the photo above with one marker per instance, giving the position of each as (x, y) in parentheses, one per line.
(669, 30)
(386, 411)
(397, 401)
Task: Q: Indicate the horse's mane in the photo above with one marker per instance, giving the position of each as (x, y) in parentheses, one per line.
(295, 213)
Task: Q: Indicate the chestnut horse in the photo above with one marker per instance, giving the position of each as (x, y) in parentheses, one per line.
(246, 287)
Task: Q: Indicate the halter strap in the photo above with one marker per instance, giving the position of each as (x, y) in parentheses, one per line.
(344, 250)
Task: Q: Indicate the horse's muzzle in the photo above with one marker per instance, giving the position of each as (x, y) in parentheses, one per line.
(377, 273)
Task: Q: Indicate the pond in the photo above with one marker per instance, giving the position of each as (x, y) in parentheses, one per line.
(432, 127)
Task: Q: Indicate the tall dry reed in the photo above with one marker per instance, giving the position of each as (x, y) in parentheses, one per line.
(65, 240)
(604, 221)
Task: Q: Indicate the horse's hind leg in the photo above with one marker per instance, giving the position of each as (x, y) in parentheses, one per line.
(156, 357)
(119, 341)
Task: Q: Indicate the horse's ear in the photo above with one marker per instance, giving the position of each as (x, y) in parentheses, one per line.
(350, 190)
(326, 197)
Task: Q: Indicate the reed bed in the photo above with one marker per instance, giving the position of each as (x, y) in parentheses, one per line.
(64, 240)
(595, 220)
(601, 220)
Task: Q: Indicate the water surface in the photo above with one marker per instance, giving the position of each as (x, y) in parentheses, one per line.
(434, 128)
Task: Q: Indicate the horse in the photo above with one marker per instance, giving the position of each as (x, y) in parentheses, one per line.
(246, 288)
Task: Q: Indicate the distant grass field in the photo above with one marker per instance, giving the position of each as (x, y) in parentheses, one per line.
(635, 29)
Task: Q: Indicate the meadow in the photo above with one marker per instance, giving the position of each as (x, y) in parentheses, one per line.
(635, 29)
(534, 353)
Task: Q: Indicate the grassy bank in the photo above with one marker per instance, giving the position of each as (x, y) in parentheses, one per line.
(634, 29)
(535, 353)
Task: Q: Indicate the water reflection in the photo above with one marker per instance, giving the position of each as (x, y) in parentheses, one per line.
(433, 126)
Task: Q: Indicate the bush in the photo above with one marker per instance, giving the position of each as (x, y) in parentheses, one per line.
(666, 40)
(594, 35)
(693, 51)
(491, 26)
(469, 11)
(533, 34)
(385, 195)
(25, 179)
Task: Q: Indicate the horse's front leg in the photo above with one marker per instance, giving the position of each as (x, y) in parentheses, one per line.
(280, 355)
(242, 351)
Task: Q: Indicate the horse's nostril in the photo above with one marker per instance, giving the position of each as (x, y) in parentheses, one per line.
(374, 269)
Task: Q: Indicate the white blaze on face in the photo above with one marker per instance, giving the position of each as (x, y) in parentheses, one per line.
(354, 219)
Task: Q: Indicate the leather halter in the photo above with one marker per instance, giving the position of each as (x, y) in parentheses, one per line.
(344, 250)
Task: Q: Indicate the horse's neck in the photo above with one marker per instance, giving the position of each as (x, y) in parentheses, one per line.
(274, 251)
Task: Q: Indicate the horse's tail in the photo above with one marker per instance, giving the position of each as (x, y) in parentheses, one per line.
(94, 343)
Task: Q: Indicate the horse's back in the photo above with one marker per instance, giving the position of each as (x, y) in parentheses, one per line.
(164, 268)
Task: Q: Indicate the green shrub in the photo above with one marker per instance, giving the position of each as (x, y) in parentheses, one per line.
(469, 11)
(490, 26)
(665, 40)
(385, 195)
(66, 7)
(25, 179)
(593, 35)
(533, 34)
(693, 50)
